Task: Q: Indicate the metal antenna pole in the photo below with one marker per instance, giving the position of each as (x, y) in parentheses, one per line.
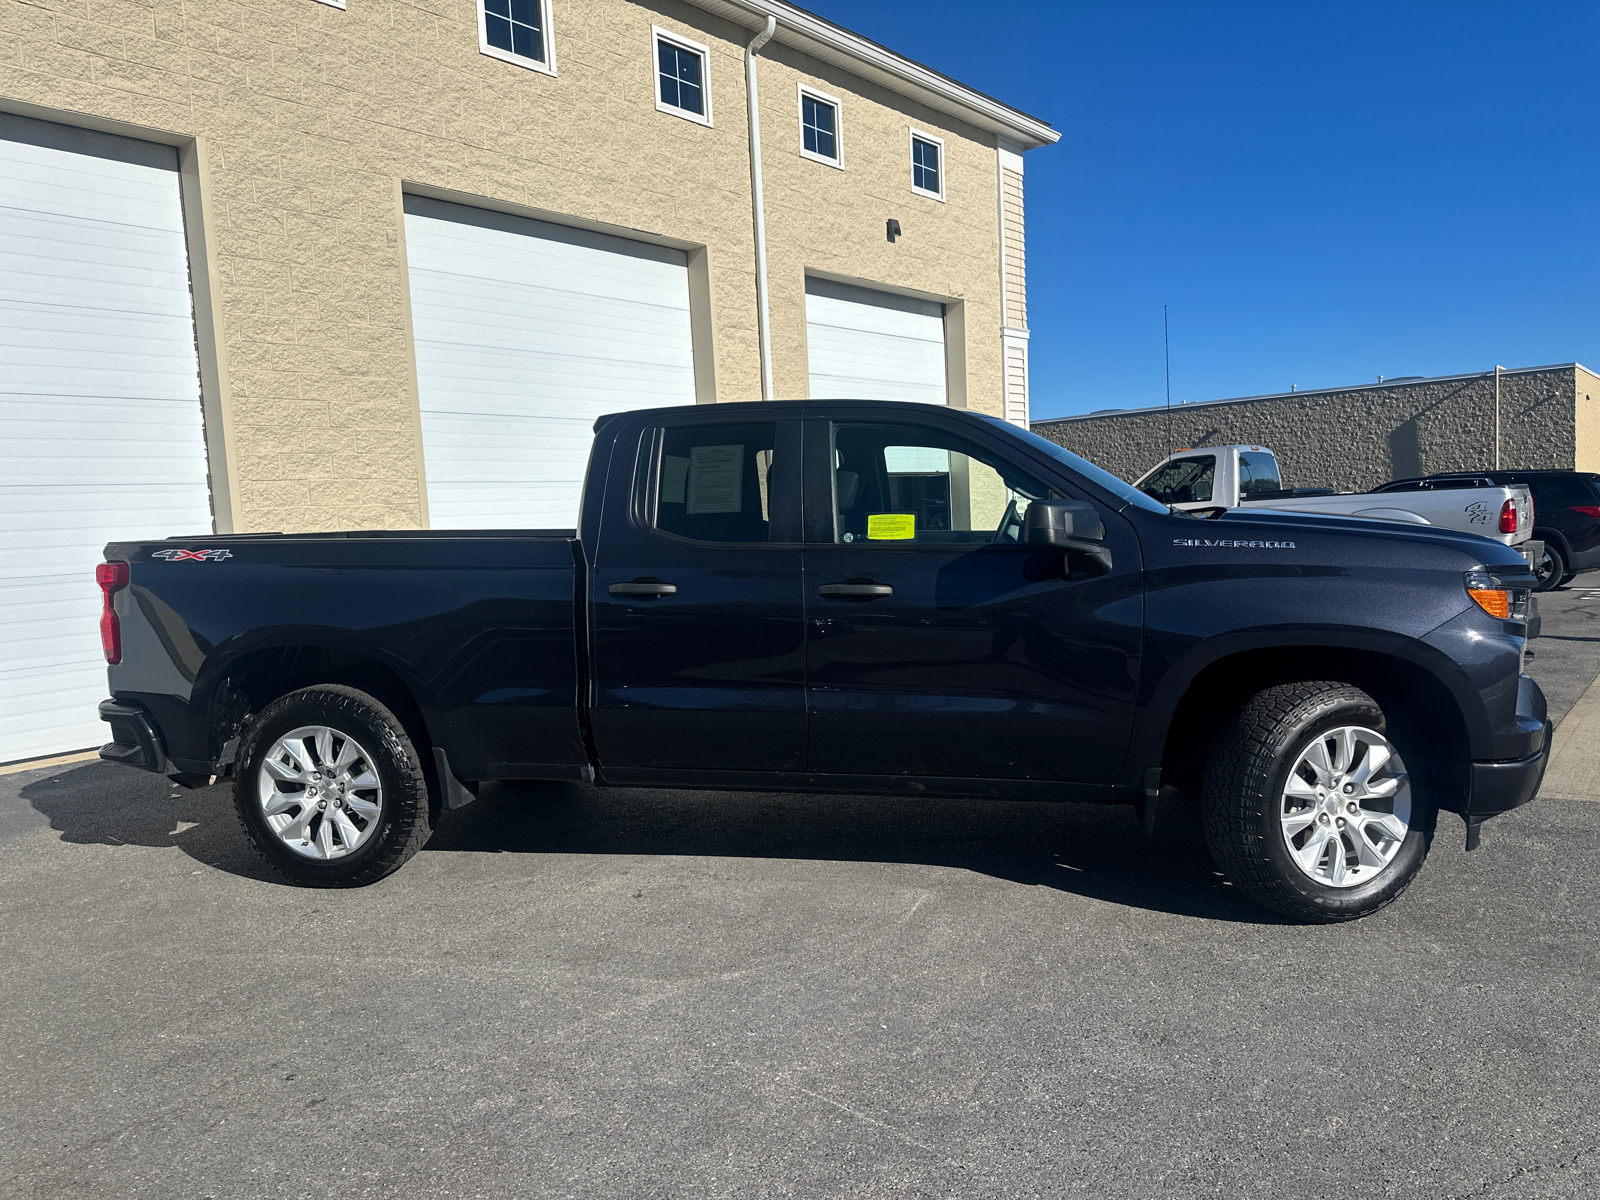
(1166, 346)
(1497, 416)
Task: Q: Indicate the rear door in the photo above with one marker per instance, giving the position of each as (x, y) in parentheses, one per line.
(938, 645)
(698, 644)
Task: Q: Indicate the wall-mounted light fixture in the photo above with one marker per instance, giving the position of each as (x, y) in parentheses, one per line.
(893, 229)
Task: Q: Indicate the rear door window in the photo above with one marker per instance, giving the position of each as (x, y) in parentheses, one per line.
(1557, 491)
(711, 482)
(1183, 480)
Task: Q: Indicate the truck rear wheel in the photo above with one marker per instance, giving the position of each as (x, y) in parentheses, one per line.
(330, 789)
(1308, 806)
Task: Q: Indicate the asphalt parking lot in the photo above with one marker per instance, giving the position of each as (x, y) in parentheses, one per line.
(597, 993)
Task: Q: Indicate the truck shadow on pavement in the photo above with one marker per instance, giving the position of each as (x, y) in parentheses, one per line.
(1088, 850)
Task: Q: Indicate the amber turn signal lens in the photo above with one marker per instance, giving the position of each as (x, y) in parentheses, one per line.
(1494, 601)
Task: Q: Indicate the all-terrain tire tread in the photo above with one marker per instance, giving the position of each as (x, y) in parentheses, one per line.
(1235, 794)
(408, 804)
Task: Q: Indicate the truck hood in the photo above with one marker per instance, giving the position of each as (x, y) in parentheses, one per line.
(1261, 523)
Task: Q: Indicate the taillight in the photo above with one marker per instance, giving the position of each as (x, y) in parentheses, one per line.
(112, 578)
(1588, 510)
(1508, 517)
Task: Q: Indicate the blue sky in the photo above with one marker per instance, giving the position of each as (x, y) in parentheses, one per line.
(1321, 192)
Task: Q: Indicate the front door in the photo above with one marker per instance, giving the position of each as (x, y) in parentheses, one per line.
(698, 638)
(939, 645)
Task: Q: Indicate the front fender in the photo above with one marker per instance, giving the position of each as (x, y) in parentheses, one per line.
(1465, 683)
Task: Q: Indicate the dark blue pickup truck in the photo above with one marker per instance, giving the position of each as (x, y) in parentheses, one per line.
(846, 596)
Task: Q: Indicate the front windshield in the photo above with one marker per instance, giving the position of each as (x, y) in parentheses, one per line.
(1094, 474)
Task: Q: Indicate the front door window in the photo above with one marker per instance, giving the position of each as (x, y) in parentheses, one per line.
(900, 483)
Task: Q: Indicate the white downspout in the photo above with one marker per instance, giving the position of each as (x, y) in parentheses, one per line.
(763, 320)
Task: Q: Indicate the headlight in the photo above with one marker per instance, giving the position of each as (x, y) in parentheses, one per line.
(1503, 598)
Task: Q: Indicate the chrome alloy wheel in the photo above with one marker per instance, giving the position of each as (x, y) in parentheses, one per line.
(319, 792)
(1346, 807)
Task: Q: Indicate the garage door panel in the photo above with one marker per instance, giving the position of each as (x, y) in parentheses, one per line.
(489, 506)
(868, 345)
(470, 448)
(594, 329)
(525, 333)
(492, 385)
(101, 432)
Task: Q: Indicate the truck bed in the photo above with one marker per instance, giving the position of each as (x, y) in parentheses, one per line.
(479, 625)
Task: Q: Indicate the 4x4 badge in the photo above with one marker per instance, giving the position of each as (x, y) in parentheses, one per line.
(194, 555)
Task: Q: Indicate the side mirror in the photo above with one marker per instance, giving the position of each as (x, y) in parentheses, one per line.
(1064, 523)
(1071, 525)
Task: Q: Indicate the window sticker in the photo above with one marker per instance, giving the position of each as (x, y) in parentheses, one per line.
(891, 527)
(674, 478)
(716, 479)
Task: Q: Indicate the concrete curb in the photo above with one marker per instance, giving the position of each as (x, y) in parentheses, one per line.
(58, 760)
(1574, 770)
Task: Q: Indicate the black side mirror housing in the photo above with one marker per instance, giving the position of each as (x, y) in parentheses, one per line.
(1072, 525)
(1064, 523)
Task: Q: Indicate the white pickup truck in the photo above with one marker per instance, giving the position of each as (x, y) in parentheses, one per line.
(1248, 477)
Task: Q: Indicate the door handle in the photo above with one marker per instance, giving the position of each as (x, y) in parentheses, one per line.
(647, 589)
(858, 591)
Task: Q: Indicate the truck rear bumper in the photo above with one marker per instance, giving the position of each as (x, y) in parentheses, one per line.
(134, 740)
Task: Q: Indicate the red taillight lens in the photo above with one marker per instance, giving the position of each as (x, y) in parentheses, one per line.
(1508, 517)
(112, 578)
(1588, 510)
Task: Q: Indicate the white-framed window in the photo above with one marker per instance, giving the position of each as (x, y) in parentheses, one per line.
(517, 31)
(820, 135)
(927, 165)
(682, 72)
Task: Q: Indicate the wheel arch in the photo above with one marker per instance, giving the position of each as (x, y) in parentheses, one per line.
(1426, 719)
(244, 682)
(1554, 537)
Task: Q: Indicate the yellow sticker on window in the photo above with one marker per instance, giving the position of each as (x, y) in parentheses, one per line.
(891, 527)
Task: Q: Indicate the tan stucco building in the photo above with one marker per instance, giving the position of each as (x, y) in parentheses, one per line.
(311, 264)
(303, 131)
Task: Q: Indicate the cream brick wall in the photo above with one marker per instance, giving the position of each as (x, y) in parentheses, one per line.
(830, 221)
(1586, 431)
(311, 119)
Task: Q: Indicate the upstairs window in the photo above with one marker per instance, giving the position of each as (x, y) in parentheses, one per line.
(927, 166)
(516, 31)
(819, 127)
(681, 77)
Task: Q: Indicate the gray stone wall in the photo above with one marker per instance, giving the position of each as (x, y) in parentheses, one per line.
(1356, 438)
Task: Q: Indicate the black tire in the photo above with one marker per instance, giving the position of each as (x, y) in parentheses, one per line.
(1568, 578)
(1551, 570)
(1244, 785)
(406, 815)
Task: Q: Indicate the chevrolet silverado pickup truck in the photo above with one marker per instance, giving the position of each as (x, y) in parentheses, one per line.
(1248, 477)
(846, 596)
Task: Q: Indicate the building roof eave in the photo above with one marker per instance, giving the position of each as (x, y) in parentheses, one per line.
(822, 39)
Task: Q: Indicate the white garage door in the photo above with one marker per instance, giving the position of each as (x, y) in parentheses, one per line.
(525, 332)
(101, 434)
(867, 345)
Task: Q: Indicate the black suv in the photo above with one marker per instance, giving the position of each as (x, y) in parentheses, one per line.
(1566, 514)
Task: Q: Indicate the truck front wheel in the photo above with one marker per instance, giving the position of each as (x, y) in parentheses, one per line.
(1308, 806)
(330, 789)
